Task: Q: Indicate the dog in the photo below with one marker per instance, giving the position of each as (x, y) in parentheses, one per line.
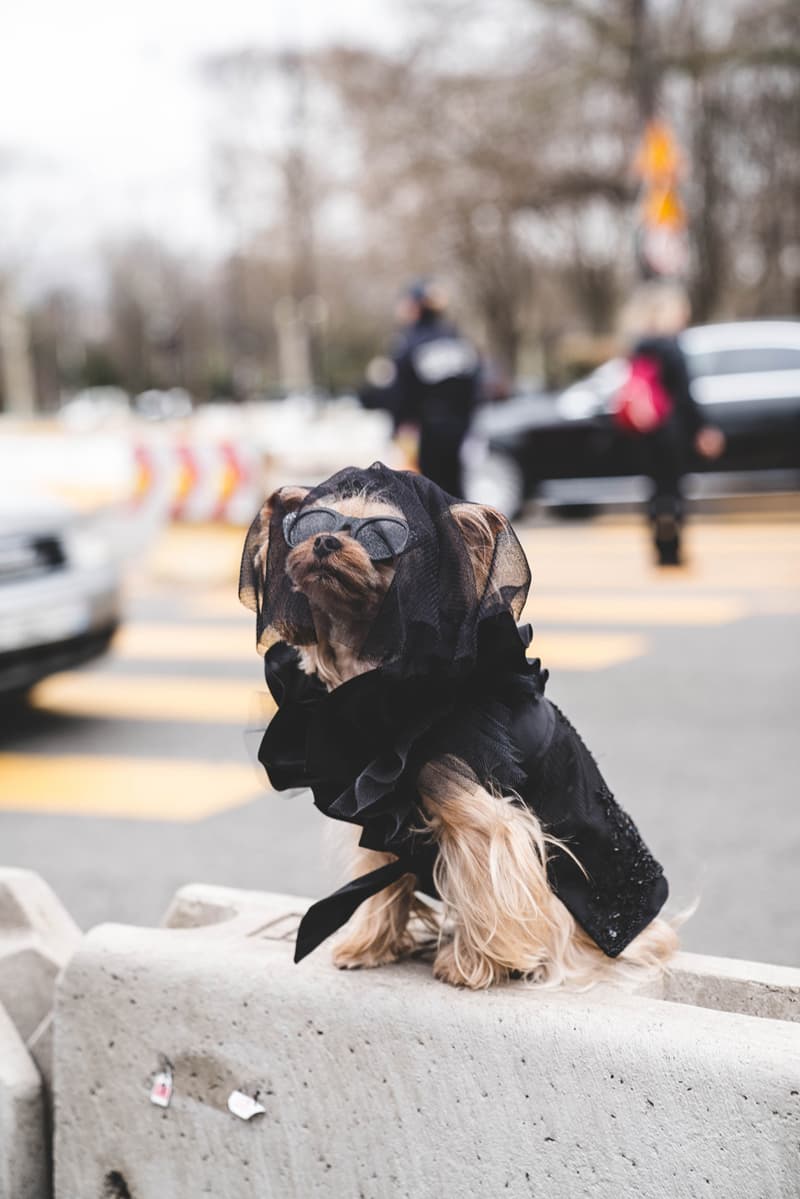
(334, 554)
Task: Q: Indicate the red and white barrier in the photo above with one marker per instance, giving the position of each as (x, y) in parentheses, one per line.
(215, 466)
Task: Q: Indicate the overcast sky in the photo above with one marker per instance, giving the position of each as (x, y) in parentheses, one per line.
(104, 119)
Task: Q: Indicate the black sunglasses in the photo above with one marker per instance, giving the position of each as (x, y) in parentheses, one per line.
(381, 536)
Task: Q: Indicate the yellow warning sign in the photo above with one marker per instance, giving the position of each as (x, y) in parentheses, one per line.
(662, 208)
(660, 164)
(659, 156)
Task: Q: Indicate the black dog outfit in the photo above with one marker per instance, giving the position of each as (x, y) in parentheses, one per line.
(451, 680)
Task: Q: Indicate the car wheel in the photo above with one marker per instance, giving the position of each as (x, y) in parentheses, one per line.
(495, 479)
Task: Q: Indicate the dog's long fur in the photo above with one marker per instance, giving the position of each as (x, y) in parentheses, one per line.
(501, 918)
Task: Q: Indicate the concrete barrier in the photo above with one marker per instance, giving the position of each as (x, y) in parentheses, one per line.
(37, 939)
(197, 1059)
(24, 1157)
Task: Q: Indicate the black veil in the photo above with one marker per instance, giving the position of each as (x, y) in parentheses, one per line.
(432, 613)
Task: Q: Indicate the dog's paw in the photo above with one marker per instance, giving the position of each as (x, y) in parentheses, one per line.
(534, 974)
(470, 970)
(357, 955)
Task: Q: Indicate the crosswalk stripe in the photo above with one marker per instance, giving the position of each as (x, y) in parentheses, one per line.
(724, 561)
(104, 695)
(187, 642)
(780, 603)
(566, 650)
(124, 788)
(236, 643)
(622, 608)
(570, 651)
(107, 695)
(221, 602)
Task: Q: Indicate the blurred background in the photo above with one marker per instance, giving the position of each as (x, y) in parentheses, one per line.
(207, 218)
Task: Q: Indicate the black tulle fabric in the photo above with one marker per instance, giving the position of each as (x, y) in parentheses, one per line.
(429, 620)
(454, 682)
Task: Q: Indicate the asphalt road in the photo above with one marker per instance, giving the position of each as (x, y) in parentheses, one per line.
(138, 774)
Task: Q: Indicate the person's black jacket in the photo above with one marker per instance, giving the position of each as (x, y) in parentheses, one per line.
(437, 385)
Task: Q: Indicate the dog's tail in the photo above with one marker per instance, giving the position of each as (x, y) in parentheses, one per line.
(582, 965)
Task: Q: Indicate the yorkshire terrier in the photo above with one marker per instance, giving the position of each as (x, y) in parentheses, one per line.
(500, 916)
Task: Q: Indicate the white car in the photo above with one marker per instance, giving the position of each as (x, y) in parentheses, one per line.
(59, 591)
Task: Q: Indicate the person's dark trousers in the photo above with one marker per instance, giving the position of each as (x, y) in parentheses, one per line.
(664, 455)
(440, 458)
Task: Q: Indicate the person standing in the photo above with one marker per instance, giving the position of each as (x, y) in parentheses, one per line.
(436, 385)
(656, 406)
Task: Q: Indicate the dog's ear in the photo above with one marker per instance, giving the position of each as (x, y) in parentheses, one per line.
(480, 526)
(288, 499)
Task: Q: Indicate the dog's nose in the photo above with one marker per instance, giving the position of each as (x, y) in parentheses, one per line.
(325, 544)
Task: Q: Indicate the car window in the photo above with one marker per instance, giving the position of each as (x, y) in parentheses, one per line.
(743, 360)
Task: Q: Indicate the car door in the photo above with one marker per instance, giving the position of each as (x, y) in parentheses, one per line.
(752, 392)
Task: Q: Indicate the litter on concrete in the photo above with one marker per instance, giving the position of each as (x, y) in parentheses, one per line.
(161, 1090)
(244, 1106)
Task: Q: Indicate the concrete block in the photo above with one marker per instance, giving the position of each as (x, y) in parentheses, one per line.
(40, 1047)
(37, 939)
(24, 1159)
(731, 985)
(384, 1083)
(200, 905)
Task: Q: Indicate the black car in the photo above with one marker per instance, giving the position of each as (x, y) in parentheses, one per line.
(746, 379)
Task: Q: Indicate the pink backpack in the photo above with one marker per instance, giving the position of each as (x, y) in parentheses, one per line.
(642, 403)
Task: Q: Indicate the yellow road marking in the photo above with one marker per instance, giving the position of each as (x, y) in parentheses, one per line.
(586, 651)
(197, 554)
(737, 575)
(103, 696)
(188, 642)
(780, 603)
(210, 643)
(154, 697)
(125, 788)
(622, 608)
(732, 558)
(566, 650)
(221, 601)
(236, 643)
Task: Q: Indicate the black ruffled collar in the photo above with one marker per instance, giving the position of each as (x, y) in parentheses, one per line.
(353, 744)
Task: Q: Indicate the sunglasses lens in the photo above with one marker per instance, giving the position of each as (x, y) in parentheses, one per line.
(383, 538)
(311, 524)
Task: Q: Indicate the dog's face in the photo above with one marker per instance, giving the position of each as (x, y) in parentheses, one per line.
(344, 572)
(342, 553)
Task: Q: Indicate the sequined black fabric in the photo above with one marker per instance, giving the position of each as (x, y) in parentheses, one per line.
(623, 886)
